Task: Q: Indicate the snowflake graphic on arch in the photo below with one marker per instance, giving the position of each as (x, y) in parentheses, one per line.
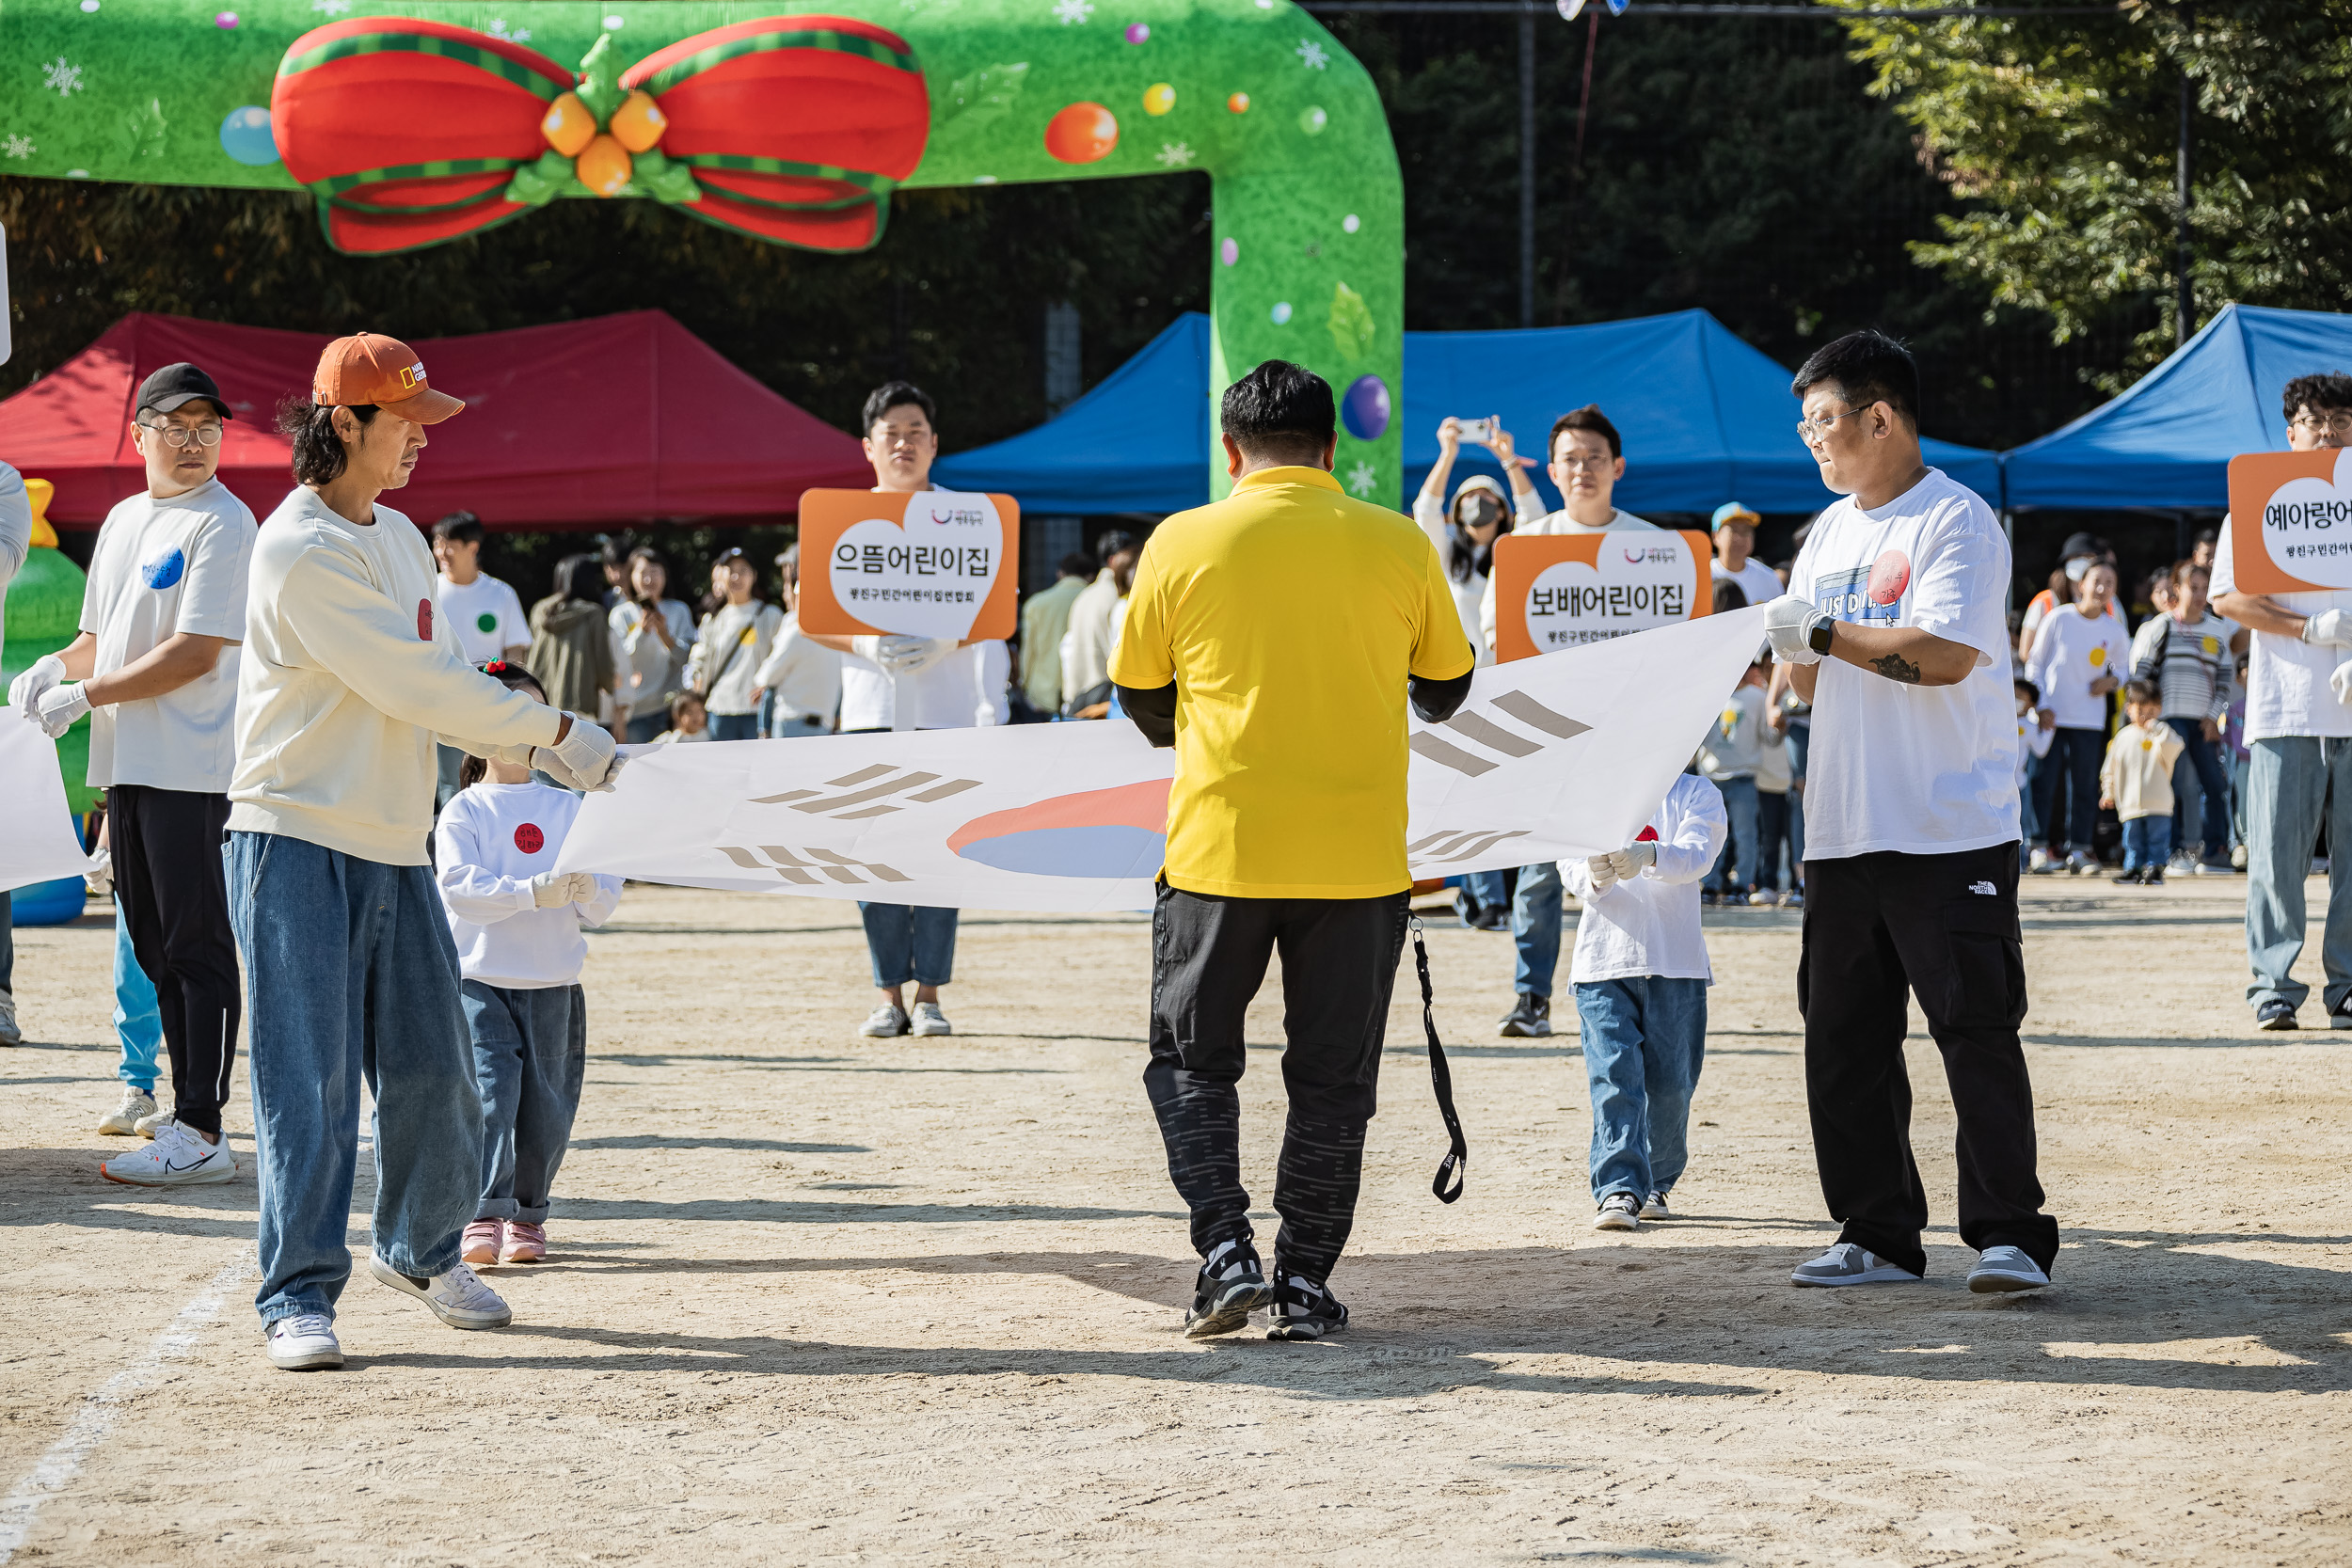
(330, 8)
(1174, 154)
(1071, 12)
(64, 80)
(1361, 478)
(1312, 54)
(500, 29)
(19, 147)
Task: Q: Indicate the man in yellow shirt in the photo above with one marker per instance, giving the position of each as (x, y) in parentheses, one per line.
(1274, 638)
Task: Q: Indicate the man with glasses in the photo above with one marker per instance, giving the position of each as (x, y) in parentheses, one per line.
(2299, 744)
(155, 667)
(1895, 631)
(1587, 460)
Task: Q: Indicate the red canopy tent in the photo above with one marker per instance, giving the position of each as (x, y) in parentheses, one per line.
(616, 420)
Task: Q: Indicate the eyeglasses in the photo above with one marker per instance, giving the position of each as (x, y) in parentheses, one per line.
(1594, 463)
(1812, 429)
(2340, 422)
(207, 433)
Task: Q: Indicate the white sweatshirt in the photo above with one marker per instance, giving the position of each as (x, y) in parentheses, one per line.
(2068, 654)
(1649, 927)
(348, 675)
(491, 840)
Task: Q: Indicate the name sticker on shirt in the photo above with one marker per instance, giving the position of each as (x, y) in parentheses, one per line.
(1565, 590)
(933, 564)
(2291, 520)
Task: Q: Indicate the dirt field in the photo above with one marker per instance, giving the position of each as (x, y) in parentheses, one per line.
(817, 1299)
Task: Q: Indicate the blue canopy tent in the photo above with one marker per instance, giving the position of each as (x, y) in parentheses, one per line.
(2168, 441)
(1706, 419)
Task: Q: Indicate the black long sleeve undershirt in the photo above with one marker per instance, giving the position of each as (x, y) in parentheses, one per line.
(1435, 701)
(1153, 708)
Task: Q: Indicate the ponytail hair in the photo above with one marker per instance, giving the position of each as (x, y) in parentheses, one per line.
(318, 452)
(513, 677)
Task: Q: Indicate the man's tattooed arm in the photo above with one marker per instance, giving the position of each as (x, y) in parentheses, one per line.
(1897, 668)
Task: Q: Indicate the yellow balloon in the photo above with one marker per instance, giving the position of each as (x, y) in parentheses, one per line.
(1158, 99)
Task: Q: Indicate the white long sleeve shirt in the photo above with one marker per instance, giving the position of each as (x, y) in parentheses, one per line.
(966, 690)
(1649, 927)
(349, 673)
(728, 652)
(16, 530)
(804, 674)
(491, 840)
(2070, 653)
(1469, 586)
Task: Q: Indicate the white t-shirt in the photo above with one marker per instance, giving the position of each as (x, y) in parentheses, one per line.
(2286, 678)
(966, 690)
(159, 568)
(1650, 926)
(485, 613)
(2073, 651)
(490, 841)
(1759, 582)
(1918, 770)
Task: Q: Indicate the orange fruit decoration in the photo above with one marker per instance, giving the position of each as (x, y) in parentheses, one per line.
(604, 167)
(567, 125)
(1082, 134)
(1239, 102)
(639, 122)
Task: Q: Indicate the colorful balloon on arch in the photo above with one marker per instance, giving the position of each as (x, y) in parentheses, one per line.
(416, 124)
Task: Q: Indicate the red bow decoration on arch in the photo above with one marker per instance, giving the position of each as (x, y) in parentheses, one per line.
(793, 129)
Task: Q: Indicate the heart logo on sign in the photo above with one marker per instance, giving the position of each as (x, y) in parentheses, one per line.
(2306, 525)
(927, 576)
(1570, 604)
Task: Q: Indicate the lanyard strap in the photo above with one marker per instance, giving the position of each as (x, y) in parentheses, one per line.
(1457, 1162)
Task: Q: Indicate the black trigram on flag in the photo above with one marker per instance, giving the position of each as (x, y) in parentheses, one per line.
(1439, 847)
(864, 793)
(810, 866)
(1480, 730)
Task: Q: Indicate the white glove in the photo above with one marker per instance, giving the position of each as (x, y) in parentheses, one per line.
(553, 889)
(1789, 624)
(1603, 873)
(908, 656)
(58, 707)
(585, 759)
(99, 877)
(1634, 859)
(25, 691)
(2340, 683)
(2329, 628)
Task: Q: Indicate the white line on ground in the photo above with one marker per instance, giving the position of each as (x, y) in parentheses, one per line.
(100, 1409)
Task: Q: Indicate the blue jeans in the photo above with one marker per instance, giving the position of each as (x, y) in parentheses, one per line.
(351, 978)
(1644, 1041)
(529, 1054)
(2068, 805)
(2238, 771)
(909, 942)
(2147, 843)
(1735, 868)
(2287, 785)
(1535, 928)
(1480, 890)
(1800, 742)
(735, 726)
(2201, 757)
(138, 1022)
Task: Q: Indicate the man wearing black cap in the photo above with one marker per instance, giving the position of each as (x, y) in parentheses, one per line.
(155, 668)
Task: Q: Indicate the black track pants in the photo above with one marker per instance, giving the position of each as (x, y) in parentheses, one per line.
(1209, 956)
(168, 874)
(1945, 927)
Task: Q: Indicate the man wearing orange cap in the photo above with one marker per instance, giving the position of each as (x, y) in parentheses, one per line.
(348, 680)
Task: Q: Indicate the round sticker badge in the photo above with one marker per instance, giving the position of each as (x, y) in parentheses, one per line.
(2098, 657)
(485, 622)
(165, 570)
(529, 839)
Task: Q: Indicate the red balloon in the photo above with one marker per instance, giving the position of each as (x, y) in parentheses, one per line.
(1082, 134)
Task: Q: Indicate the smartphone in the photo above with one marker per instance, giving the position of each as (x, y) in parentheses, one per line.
(1478, 432)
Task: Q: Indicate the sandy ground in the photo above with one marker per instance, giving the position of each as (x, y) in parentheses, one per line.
(815, 1298)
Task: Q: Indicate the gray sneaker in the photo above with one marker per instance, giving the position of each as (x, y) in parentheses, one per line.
(10, 1032)
(2004, 1268)
(1654, 1208)
(1849, 1264)
(303, 1343)
(1529, 1018)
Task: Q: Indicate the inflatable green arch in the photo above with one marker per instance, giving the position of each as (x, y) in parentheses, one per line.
(790, 124)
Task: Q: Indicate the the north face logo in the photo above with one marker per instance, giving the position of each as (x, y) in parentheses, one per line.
(1987, 889)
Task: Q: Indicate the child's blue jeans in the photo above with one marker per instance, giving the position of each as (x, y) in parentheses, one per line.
(529, 1054)
(1645, 1040)
(2147, 843)
(138, 1022)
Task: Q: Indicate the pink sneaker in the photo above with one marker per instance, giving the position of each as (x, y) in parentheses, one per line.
(480, 1244)
(525, 1244)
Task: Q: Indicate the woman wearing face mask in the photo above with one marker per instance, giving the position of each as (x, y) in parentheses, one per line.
(2079, 656)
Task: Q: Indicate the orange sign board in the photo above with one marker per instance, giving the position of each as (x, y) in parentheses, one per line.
(2291, 520)
(1558, 591)
(933, 564)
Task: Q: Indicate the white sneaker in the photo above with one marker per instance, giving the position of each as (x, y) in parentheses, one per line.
(10, 1032)
(1654, 1208)
(884, 1023)
(302, 1343)
(928, 1020)
(152, 1123)
(1765, 897)
(178, 1157)
(2040, 863)
(2081, 864)
(1849, 1264)
(123, 1120)
(458, 1298)
(1618, 1212)
(2004, 1268)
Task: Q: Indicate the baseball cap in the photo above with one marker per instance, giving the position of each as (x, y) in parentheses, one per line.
(368, 367)
(1732, 512)
(174, 384)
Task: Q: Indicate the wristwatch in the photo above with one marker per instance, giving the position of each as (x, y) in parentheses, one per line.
(1819, 638)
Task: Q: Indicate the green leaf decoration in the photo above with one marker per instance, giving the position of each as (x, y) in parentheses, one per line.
(1352, 326)
(141, 133)
(983, 96)
(599, 86)
(537, 185)
(663, 179)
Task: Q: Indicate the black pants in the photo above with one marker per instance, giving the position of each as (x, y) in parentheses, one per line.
(2069, 789)
(174, 890)
(1943, 926)
(1339, 964)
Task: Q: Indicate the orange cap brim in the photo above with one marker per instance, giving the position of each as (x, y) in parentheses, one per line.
(429, 407)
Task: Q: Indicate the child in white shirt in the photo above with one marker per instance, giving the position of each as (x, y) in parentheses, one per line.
(1640, 976)
(689, 721)
(2034, 735)
(516, 922)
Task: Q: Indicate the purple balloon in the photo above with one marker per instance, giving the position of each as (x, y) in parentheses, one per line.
(1365, 409)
